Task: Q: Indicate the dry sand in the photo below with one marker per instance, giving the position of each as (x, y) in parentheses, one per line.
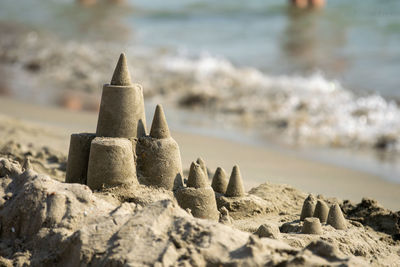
(257, 164)
(44, 222)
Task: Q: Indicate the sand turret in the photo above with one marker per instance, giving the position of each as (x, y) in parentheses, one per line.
(235, 186)
(199, 197)
(158, 155)
(308, 207)
(203, 166)
(220, 181)
(159, 126)
(121, 76)
(122, 106)
(197, 178)
(312, 226)
(111, 163)
(321, 211)
(78, 157)
(336, 218)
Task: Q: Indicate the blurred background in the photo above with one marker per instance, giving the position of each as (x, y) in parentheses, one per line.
(322, 81)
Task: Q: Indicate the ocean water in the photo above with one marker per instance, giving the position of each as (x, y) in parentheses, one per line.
(322, 78)
(356, 42)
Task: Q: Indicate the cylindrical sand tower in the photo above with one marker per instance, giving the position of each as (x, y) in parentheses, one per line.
(122, 106)
(111, 163)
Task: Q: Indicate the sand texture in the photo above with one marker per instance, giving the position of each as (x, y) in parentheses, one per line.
(143, 226)
(44, 222)
(69, 224)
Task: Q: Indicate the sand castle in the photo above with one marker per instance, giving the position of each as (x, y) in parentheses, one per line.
(311, 226)
(120, 149)
(121, 153)
(308, 207)
(198, 196)
(314, 213)
(158, 156)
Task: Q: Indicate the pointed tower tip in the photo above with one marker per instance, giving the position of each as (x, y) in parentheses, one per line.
(203, 166)
(235, 186)
(220, 181)
(159, 126)
(121, 74)
(336, 218)
(196, 178)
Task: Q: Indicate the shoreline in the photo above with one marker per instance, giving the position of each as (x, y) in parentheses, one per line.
(258, 164)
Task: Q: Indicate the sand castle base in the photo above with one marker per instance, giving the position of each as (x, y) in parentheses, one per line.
(311, 226)
(78, 157)
(111, 163)
(159, 163)
(201, 202)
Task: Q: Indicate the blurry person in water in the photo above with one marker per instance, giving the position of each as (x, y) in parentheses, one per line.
(308, 3)
(92, 2)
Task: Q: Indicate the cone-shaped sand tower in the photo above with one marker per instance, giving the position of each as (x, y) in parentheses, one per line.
(311, 226)
(158, 157)
(235, 186)
(159, 126)
(122, 106)
(336, 218)
(121, 76)
(321, 211)
(197, 178)
(308, 207)
(203, 166)
(199, 197)
(220, 181)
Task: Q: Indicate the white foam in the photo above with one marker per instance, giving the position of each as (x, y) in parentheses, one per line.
(316, 109)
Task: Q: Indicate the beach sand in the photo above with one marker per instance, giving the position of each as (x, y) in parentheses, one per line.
(257, 164)
(137, 225)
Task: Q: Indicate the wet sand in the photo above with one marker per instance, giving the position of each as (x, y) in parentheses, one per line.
(258, 164)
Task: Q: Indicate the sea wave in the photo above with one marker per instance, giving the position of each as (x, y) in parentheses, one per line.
(304, 110)
(297, 109)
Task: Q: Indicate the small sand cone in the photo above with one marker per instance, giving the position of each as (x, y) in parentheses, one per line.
(311, 226)
(203, 166)
(159, 126)
(336, 218)
(158, 156)
(219, 182)
(197, 178)
(121, 76)
(321, 211)
(235, 187)
(308, 207)
(122, 106)
(111, 163)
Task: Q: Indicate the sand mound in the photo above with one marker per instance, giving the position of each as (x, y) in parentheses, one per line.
(48, 223)
(370, 213)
